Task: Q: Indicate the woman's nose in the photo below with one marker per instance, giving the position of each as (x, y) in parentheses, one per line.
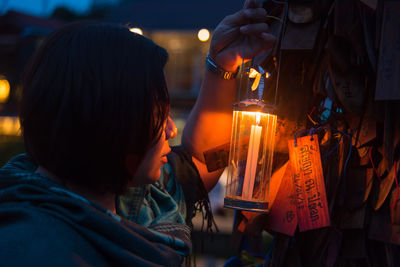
(170, 130)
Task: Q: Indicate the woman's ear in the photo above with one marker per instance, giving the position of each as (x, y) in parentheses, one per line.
(132, 163)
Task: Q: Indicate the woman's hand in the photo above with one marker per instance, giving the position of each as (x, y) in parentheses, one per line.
(241, 34)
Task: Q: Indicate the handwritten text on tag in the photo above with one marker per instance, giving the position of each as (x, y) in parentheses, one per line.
(309, 186)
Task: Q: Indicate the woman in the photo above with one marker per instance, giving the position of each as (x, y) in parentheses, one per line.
(94, 116)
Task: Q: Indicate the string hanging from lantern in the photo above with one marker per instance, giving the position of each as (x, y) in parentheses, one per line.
(333, 149)
(380, 178)
(373, 165)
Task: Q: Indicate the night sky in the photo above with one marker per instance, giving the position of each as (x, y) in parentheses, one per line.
(44, 7)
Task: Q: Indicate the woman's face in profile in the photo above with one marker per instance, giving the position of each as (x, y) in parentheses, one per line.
(149, 170)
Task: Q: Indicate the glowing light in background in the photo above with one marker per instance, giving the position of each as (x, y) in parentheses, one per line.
(136, 30)
(203, 35)
(9, 125)
(4, 89)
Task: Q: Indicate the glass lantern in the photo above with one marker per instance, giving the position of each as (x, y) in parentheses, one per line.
(250, 157)
(254, 124)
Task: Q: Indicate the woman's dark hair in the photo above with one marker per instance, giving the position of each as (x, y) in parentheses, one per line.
(92, 94)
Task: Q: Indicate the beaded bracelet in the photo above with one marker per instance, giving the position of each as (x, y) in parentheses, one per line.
(211, 66)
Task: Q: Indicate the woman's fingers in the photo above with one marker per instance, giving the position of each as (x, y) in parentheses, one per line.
(255, 14)
(254, 29)
(268, 37)
(246, 16)
(251, 3)
(228, 38)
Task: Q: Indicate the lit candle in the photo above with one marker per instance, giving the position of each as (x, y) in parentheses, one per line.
(252, 160)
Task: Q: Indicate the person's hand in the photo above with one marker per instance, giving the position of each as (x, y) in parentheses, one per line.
(241, 34)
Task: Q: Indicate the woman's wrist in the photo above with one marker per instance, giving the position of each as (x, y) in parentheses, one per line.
(216, 69)
(227, 61)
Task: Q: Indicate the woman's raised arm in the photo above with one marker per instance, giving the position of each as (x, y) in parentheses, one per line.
(209, 123)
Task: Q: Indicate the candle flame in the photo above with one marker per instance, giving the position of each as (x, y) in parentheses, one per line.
(258, 117)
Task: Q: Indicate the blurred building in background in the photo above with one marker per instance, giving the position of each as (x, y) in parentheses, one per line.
(184, 28)
(20, 35)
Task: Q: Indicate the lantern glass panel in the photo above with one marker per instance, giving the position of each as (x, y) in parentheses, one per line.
(250, 160)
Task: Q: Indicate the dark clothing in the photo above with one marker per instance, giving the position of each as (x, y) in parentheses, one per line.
(43, 224)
